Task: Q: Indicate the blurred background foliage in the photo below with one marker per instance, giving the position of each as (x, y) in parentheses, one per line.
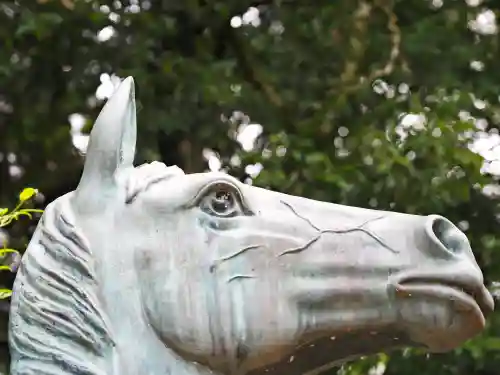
(385, 104)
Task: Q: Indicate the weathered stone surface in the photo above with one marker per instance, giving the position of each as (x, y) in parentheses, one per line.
(150, 271)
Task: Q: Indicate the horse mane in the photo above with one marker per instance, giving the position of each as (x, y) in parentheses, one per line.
(57, 323)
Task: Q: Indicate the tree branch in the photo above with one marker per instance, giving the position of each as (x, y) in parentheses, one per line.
(348, 80)
(250, 74)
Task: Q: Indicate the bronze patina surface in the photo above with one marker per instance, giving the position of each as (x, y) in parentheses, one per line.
(149, 271)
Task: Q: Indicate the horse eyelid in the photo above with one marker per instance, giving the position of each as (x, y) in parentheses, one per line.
(201, 193)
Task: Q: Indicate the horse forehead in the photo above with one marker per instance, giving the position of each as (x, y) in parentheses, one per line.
(179, 189)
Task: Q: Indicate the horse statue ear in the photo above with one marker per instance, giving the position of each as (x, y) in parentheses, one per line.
(111, 149)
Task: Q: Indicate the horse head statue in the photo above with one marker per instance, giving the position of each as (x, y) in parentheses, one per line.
(147, 270)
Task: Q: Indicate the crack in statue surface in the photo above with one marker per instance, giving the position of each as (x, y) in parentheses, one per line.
(333, 231)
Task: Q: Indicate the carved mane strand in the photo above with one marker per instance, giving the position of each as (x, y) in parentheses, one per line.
(56, 304)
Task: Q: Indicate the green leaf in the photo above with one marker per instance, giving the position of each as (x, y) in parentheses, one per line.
(6, 251)
(27, 193)
(491, 343)
(5, 293)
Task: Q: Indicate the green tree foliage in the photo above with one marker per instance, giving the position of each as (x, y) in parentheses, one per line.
(368, 103)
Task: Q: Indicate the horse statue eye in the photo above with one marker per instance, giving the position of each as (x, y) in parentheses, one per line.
(221, 202)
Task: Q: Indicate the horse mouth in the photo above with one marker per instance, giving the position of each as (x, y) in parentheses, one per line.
(467, 297)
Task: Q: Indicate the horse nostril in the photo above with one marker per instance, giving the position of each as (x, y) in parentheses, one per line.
(447, 235)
